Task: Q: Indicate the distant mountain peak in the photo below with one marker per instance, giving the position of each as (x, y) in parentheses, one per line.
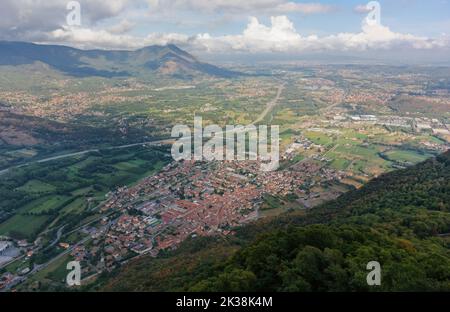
(151, 60)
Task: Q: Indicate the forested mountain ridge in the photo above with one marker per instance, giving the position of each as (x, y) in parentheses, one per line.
(401, 220)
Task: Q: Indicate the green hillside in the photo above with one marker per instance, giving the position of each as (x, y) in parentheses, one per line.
(401, 220)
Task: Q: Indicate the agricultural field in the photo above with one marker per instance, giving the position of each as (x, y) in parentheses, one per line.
(23, 226)
(362, 151)
(406, 156)
(68, 190)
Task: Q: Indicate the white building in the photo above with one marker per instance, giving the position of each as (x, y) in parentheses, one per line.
(4, 247)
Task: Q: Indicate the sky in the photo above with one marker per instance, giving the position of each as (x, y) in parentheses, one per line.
(235, 27)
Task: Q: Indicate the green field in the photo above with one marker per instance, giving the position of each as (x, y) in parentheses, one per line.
(67, 187)
(23, 226)
(56, 271)
(319, 138)
(76, 206)
(367, 153)
(45, 204)
(407, 156)
(36, 186)
(18, 265)
(340, 164)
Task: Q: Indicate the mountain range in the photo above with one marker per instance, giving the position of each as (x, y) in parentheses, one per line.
(168, 60)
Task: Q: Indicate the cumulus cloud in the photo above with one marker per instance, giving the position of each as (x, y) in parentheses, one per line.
(31, 19)
(280, 36)
(88, 38)
(376, 36)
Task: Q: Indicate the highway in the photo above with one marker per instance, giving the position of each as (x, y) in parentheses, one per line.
(270, 106)
(167, 141)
